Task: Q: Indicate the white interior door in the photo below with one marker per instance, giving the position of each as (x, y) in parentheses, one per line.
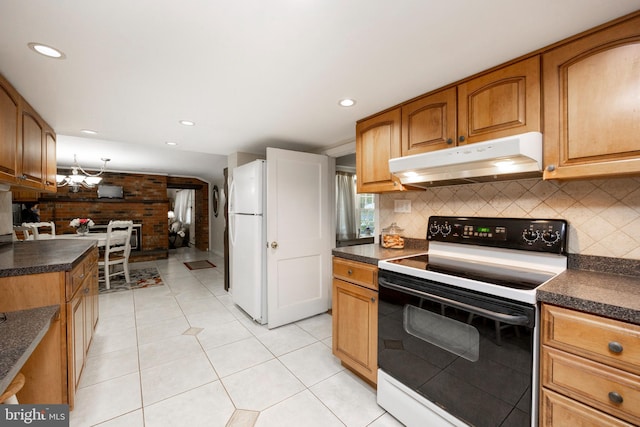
(299, 236)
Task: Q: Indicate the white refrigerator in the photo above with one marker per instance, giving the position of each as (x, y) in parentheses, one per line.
(247, 239)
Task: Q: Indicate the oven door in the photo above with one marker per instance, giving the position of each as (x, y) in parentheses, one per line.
(468, 353)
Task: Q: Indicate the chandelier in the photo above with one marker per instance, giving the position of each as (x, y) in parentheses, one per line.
(84, 179)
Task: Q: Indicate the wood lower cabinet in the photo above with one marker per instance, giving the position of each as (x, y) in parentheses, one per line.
(591, 104)
(54, 368)
(589, 369)
(355, 316)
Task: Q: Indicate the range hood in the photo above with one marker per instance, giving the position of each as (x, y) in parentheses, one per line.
(513, 157)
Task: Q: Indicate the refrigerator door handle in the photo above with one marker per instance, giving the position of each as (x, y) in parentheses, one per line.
(232, 229)
(232, 193)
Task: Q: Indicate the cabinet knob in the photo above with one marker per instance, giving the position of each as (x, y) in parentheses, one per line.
(551, 168)
(461, 138)
(86, 290)
(615, 397)
(450, 141)
(349, 272)
(23, 176)
(615, 347)
(373, 299)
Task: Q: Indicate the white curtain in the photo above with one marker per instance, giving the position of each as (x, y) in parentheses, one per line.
(346, 209)
(184, 206)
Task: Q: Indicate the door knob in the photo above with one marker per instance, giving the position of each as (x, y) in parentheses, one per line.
(274, 245)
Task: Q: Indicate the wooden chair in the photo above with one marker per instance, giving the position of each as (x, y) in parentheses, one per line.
(36, 226)
(21, 232)
(116, 251)
(9, 395)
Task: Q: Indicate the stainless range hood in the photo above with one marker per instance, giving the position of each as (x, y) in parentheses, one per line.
(513, 157)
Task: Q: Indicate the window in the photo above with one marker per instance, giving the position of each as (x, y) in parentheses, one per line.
(367, 208)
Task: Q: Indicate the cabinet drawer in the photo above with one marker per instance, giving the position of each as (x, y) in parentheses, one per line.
(558, 410)
(592, 383)
(79, 274)
(356, 272)
(608, 341)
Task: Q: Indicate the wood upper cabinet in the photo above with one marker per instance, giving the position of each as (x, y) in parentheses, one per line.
(592, 106)
(429, 123)
(377, 141)
(9, 131)
(50, 159)
(27, 144)
(31, 165)
(501, 103)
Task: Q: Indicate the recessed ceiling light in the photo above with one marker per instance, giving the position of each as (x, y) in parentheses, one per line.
(171, 143)
(347, 102)
(45, 50)
(187, 123)
(89, 131)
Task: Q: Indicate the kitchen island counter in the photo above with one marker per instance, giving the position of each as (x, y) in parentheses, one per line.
(42, 256)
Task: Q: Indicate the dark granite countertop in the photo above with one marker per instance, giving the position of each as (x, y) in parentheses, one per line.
(607, 287)
(20, 334)
(611, 295)
(41, 256)
(372, 253)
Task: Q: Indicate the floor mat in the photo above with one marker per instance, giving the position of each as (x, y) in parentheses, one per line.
(141, 278)
(198, 265)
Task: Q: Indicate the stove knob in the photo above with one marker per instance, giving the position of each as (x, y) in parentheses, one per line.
(530, 235)
(433, 229)
(551, 236)
(445, 230)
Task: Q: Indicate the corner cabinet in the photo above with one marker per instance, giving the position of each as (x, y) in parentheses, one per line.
(377, 141)
(355, 316)
(591, 104)
(27, 144)
(589, 369)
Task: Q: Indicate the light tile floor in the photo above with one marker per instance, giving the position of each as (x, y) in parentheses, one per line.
(183, 355)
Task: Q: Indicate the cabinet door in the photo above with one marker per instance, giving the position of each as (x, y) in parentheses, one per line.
(9, 131)
(75, 338)
(50, 168)
(429, 123)
(592, 106)
(32, 148)
(355, 328)
(501, 103)
(377, 141)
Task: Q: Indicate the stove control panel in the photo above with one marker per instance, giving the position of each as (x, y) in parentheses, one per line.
(540, 235)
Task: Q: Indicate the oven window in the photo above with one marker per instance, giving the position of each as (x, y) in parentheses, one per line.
(484, 380)
(449, 334)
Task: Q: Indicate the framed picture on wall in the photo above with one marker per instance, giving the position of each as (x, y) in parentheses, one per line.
(216, 200)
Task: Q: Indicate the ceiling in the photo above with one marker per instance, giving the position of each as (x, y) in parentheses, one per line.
(253, 73)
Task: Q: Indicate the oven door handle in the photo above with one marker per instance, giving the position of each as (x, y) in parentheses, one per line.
(511, 319)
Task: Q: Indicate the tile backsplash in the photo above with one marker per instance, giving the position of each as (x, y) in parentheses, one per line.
(603, 215)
